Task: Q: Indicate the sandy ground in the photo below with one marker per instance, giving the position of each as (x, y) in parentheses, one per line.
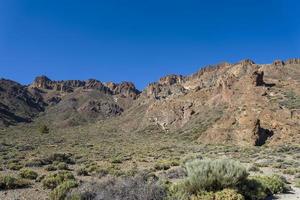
(23, 194)
(293, 195)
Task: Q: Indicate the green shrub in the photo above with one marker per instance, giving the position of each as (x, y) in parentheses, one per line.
(213, 175)
(62, 166)
(201, 196)
(274, 183)
(139, 187)
(53, 180)
(228, 194)
(14, 166)
(253, 189)
(254, 168)
(116, 160)
(82, 172)
(166, 164)
(162, 166)
(28, 174)
(290, 171)
(11, 182)
(60, 192)
(60, 157)
(259, 187)
(44, 129)
(51, 168)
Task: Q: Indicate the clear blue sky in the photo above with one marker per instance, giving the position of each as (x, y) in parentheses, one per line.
(140, 40)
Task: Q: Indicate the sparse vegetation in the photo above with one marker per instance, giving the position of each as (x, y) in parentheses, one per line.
(53, 180)
(28, 174)
(14, 166)
(44, 129)
(140, 187)
(12, 182)
(60, 192)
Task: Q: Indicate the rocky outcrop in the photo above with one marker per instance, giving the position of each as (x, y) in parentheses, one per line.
(43, 82)
(295, 61)
(104, 108)
(260, 135)
(17, 104)
(159, 91)
(171, 80)
(95, 84)
(124, 89)
(278, 63)
(247, 62)
(258, 78)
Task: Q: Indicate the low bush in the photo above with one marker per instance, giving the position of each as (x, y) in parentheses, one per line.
(60, 192)
(139, 187)
(36, 162)
(14, 166)
(259, 187)
(11, 182)
(44, 129)
(60, 157)
(82, 172)
(28, 174)
(62, 166)
(274, 183)
(253, 189)
(228, 194)
(51, 168)
(253, 168)
(213, 175)
(53, 180)
(166, 164)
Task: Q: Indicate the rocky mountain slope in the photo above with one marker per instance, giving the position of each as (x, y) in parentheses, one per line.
(242, 103)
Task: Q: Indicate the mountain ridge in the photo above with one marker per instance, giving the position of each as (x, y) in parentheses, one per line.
(244, 103)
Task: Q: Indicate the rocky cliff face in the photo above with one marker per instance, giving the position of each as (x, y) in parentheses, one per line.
(242, 103)
(17, 104)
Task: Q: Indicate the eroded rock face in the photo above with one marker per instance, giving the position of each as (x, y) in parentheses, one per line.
(17, 104)
(278, 63)
(43, 82)
(104, 108)
(95, 84)
(171, 80)
(125, 89)
(260, 135)
(242, 103)
(258, 78)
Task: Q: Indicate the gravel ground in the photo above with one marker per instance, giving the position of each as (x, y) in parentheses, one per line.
(24, 194)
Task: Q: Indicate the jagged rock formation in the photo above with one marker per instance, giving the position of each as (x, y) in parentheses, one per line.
(17, 104)
(242, 103)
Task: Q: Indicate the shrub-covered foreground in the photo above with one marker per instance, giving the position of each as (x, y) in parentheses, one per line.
(60, 183)
(139, 187)
(206, 180)
(223, 179)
